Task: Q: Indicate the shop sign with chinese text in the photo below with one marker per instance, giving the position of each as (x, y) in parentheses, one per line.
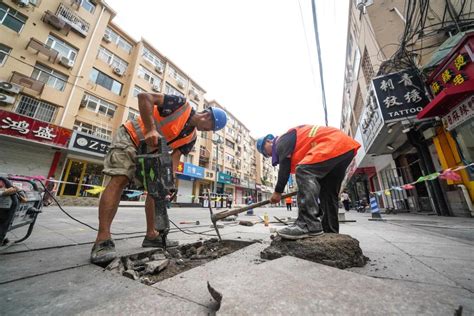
(457, 70)
(193, 170)
(88, 144)
(400, 95)
(371, 122)
(20, 126)
(460, 114)
(224, 178)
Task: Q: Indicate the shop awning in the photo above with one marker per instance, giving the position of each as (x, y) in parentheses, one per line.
(446, 100)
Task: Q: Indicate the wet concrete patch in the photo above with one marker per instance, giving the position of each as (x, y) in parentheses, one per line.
(157, 265)
(335, 250)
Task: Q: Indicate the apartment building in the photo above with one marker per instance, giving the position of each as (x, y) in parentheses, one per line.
(69, 77)
(393, 51)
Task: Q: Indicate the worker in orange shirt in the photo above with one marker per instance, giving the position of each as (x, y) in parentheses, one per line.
(288, 202)
(319, 156)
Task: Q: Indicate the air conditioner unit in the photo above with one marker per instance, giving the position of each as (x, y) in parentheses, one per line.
(6, 99)
(66, 62)
(159, 69)
(196, 97)
(9, 87)
(22, 3)
(155, 88)
(181, 84)
(361, 5)
(107, 38)
(119, 71)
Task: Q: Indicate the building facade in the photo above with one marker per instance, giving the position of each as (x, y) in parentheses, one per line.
(393, 51)
(69, 77)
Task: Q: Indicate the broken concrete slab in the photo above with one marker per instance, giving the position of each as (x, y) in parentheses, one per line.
(293, 286)
(336, 250)
(156, 266)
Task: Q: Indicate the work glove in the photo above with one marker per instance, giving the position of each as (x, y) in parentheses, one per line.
(173, 192)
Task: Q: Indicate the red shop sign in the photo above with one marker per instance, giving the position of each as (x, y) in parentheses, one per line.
(17, 125)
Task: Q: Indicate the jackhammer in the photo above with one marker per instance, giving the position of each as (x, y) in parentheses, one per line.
(155, 171)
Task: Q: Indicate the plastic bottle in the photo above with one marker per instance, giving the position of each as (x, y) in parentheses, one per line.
(266, 220)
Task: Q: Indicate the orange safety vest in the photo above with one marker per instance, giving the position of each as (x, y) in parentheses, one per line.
(288, 200)
(319, 143)
(168, 126)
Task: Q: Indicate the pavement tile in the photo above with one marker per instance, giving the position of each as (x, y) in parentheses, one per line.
(90, 291)
(401, 267)
(459, 271)
(297, 287)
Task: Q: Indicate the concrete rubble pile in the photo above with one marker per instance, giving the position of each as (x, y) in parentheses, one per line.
(156, 265)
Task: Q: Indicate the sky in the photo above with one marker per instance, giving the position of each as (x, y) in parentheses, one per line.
(257, 58)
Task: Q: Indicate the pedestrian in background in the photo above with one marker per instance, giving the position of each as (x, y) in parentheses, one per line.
(288, 202)
(346, 201)
(229, 201)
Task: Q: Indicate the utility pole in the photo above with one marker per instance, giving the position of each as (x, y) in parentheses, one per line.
(217, 142)
(318, 46)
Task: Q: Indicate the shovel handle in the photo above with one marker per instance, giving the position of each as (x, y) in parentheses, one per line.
(224, 214)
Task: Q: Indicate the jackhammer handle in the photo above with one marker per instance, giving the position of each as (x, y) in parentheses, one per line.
(224, 214)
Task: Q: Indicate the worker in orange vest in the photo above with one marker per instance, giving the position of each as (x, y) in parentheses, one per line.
(161, 115)
(288, 202)
(319, 156)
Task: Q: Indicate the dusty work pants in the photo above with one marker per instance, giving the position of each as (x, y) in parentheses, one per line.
(321, 181)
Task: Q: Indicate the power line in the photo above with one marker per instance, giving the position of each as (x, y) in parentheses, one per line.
(318, 46)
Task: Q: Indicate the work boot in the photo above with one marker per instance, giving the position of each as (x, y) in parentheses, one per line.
(157, 242)
(103, 252)
(295, 232)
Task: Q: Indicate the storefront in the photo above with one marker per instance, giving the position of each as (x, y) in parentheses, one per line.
(84, 164)
(203, 186)
(223, 179)
(187, 175)
(452, 86)
(30, 147)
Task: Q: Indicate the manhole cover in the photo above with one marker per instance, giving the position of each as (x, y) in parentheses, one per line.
(156, 265)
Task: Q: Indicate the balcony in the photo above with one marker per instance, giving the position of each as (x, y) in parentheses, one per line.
(27, 82)
(53, 20)
(77, 23)
(42, 48)
(204, 154)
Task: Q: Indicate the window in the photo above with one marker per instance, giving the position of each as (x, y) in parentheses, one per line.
(229, 158)
(148, 76)
(170, 90)
(100, 106)
(229, 144)
(90, 129)
(50, 77)
(11, 18)
(132, 114)
(105, 81)
(111, 59)
(137, 90)
(61, 47)
(118, 40)
(88, 5)
(36, 109)
(4, 52)
(153, 59)
(174, 74)
(188, 158)
(356, 64)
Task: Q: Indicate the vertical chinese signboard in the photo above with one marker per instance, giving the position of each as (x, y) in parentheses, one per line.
(400, 95)
(12, 124)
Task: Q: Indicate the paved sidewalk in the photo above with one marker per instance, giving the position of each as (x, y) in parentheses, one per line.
(50, 273)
